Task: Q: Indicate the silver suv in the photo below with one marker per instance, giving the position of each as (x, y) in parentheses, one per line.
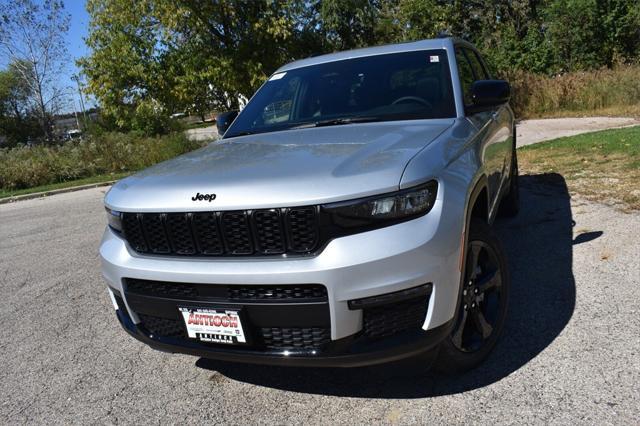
(343, 219)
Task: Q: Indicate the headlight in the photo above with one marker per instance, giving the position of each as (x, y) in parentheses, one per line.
(114, 219)
(384, 209)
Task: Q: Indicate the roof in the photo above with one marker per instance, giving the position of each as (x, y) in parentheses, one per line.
(438, 43)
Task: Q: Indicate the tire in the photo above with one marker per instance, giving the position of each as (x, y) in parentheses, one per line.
(510, 204)
(480, 316)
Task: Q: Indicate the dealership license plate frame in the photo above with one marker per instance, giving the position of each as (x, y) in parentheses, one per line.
(207, 332)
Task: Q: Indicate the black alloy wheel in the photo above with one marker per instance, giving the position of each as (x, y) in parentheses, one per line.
(480, 307)
(482, 304)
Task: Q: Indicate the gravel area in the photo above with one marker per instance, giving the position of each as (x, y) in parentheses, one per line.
(570, 353)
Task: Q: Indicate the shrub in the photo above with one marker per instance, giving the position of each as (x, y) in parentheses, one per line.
(25, 167)
(594, 92)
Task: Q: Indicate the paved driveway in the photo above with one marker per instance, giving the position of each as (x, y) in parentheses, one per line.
(571, 350)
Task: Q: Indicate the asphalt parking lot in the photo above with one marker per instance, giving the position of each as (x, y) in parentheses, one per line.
(570, 353)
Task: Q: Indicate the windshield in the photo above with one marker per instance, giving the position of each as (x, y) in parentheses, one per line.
(398, 86)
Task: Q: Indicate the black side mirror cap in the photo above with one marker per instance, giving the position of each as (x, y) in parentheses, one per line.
(487, 94)
(224, 120)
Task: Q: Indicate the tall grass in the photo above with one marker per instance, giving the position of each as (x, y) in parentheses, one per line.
(26, 167)
(606, 91)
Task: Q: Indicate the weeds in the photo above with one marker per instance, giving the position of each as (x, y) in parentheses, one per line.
(25, 167)
(601, 92)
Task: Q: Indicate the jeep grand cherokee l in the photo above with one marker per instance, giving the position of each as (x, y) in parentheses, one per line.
(344, 218)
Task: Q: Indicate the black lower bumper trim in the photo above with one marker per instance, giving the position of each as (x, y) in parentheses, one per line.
(346, 352)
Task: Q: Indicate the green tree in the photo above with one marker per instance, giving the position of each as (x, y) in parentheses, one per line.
(17, 121)
(125, 67)
(348, 24)
(188, 55)
(151, 58)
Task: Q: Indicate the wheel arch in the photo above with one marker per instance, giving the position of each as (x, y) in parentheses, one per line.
(478, 202)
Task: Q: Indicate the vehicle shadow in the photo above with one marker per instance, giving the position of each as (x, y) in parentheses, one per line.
(539, 248)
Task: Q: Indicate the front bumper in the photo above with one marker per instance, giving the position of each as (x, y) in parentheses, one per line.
(387, 260)
(347, 352)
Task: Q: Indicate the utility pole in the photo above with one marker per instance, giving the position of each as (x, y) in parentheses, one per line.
(84, 113)
(76, 114)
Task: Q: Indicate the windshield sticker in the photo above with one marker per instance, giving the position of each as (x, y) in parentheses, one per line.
(277, 76)
(434, 58)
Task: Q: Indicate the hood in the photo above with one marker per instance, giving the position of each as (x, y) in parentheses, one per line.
(280, 169)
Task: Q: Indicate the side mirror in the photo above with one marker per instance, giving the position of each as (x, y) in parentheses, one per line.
(224, 120)
(487, 94)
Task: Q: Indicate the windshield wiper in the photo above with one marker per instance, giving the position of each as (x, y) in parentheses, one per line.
(337, 122)
(321, 123)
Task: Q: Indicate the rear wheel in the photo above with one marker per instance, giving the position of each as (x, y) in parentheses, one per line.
(482, 304)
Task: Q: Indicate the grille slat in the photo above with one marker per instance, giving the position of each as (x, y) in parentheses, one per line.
(387, 320)
(179, 230)
(169, 290)
(304, 293)
(294, 292)
(133, 232)
(303, 229)
(207, 233)
(236, 233)
(229, 233)
(153, 226)
(295, 338)
(269, 231)
(164, 327)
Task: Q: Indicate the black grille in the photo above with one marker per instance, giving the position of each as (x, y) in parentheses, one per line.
(299, 292)
(207, 232)
(163, 327)
(232, 293)
(180, 233)
(295, 338)
(133, 229)
(233, 233)
(388, 320)
(271, 338)
(162, 289)
(269, 234)
(301, 226)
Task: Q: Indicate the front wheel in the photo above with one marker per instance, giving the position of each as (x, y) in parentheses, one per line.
(482, 303)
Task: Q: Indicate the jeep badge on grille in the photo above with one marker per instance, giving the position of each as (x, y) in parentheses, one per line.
(205, 197)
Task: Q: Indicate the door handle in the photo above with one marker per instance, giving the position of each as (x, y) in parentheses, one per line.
(495, 115)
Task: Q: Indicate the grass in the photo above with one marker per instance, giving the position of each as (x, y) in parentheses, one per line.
(60, 185)
(601, 166)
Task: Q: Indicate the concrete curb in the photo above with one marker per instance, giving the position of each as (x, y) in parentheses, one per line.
(54, 192)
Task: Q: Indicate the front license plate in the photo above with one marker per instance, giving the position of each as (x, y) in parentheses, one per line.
(213, 325)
